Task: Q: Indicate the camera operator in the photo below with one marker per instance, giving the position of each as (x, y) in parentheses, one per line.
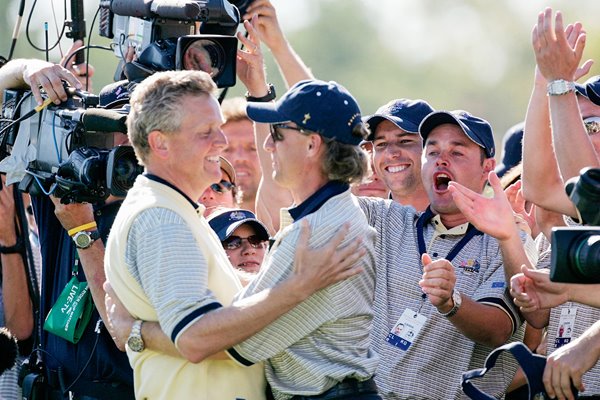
(550, 157)
(16, 311)
(94, 367)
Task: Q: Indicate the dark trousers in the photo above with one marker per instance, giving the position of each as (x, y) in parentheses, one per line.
(347, 389)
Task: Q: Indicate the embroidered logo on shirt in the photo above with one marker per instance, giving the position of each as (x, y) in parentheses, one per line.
(469, 266)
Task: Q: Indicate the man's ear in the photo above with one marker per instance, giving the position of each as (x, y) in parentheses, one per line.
(489, 164)
(315, 142)
(158, 143)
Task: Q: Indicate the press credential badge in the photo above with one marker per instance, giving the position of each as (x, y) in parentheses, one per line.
(406, 330)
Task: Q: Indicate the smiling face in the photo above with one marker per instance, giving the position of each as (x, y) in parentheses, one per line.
(397, 158)
(449, 155)
(191, 155)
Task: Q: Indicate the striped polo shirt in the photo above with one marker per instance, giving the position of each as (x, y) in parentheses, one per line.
(324, 339)
(432, 366)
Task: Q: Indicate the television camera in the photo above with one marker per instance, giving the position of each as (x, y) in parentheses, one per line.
(70, 150)
(576, 250)
(175, 34)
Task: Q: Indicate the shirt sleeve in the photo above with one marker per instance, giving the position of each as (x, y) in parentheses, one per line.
(163, 256)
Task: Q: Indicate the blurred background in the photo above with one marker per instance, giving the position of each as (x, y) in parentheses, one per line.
(461, 54)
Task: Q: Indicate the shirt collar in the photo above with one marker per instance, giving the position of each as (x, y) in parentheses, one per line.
(317, 199)
(158, 179)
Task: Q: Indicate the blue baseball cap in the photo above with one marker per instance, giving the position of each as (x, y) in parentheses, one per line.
(476, 129)
(512, 149)
(404, 113)
(592, 88)
(227, 221)
(326, 108)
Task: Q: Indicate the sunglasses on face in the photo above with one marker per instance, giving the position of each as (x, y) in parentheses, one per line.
(222, 187)
(276, 134)
(235, 242)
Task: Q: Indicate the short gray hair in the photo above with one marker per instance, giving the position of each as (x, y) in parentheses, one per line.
(156, 105)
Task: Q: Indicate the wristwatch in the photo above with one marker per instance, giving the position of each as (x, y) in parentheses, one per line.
(560, 86)
(135, 341)
(270, 96)
(457, 299)
(84, 239)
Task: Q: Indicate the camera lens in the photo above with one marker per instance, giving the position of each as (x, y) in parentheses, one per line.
(585, 194)
(585, 254)
(205, 55)
(122, 169)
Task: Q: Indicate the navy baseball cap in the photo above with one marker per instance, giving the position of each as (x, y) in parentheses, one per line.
(512, 149)
(227, 221)
(592, 88)
(476, 129)
(114, 94)
(326, 108)
(404, 113)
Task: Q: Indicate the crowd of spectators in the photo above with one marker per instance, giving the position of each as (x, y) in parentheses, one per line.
(290, 247)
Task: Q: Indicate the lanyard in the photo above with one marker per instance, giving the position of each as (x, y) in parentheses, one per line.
(427, 216)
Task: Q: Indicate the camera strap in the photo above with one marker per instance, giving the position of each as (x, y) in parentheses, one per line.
(532, 364)
(72, 312)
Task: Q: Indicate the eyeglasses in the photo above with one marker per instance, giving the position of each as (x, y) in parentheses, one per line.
(277, 136)
(235, 242)
(222, 187)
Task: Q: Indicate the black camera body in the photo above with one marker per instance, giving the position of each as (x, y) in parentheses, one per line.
(575, 255)
(69, 150)
(162, 31)
(576, 250)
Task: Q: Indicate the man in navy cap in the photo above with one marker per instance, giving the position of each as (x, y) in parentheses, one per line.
(397, 149)
(321, 347)
(441, 272)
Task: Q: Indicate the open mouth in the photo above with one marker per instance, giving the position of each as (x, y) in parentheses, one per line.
(441, 181)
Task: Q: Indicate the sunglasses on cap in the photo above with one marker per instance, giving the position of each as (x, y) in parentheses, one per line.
(235, 242)
(222, 187)
(277, 136)
(592, 125)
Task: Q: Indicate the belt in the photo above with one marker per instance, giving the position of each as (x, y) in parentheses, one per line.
(344, 389)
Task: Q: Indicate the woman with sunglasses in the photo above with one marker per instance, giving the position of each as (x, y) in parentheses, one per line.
(244, 239)
(223, 193)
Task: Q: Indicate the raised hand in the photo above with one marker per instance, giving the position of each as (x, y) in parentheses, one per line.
(493, 216)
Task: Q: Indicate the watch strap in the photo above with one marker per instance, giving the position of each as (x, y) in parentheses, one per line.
(18, 247)
(455, 307)
(270, 96)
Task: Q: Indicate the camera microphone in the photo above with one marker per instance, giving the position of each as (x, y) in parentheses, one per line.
(8, 350)
(132, 8)
(97, 119)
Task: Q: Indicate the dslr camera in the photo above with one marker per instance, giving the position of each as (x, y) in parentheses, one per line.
(174, 35)
(68, 150)
(576, 250)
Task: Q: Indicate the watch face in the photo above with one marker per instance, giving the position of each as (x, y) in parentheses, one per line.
(82, 240)
(135, 343)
